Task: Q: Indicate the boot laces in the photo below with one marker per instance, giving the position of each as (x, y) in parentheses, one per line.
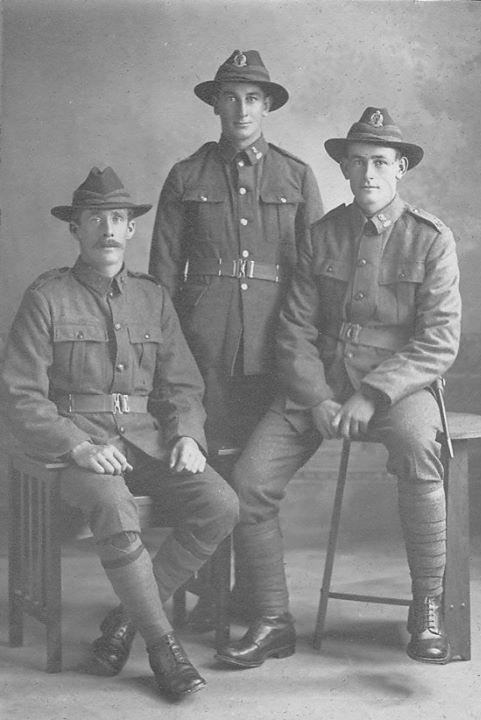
(427, 616)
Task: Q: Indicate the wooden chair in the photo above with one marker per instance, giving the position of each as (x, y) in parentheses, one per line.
(35, 553)
(463, 428)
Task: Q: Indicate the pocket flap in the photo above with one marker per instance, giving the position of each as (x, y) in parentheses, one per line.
(143, 333)
(79, 332)
(204, 195)
(328, 267)
(404, 272)
(281, 196)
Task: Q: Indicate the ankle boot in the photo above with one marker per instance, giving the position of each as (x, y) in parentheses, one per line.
(111, 650)
(429, 642)
(173, 671)
(270, 636)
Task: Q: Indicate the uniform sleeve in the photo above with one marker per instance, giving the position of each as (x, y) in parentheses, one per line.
(301, 369)
(33, 417)
(168, 248)
(435, 342)
(178, 385)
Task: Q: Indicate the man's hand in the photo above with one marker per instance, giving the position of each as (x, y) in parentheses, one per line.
(353, 418)
(323, 416)
(186, 455)
(102, 459)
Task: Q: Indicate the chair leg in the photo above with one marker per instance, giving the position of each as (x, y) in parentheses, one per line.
(331, 546)
(15, 567)
(456, 579)
(221, 572)
(52, 571)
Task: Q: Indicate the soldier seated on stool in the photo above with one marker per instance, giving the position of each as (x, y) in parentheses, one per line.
(98, 373)
(372, 318)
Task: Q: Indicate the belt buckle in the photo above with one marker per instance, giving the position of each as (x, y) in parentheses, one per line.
(121, 403)
(352, 332)
(243, 268)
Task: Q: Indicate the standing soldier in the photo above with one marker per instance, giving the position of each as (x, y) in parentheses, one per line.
(228, 226)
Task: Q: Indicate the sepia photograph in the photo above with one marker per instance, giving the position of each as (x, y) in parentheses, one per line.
(240, 359)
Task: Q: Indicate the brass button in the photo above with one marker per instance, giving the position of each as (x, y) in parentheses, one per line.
(283, 200)
(359, 296)
(117, 326)
(402, 275)
(329, 269)
(111, 293)
(361, 262)
(241, 163)
(245, 253)
(350, 354)
(121, 429)
(203, 198)
(120, 367)
(244, 286)
(80, 335)
(258, 155)
(242, 191)
(147, 336)
(243, 221)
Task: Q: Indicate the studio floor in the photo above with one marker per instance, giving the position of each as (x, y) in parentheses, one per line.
(361, 673)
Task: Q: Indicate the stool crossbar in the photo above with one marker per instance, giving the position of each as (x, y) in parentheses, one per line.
(463, 427)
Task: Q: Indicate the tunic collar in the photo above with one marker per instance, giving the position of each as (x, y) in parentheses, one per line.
(99, 283)
(253, 154)
(382, 220)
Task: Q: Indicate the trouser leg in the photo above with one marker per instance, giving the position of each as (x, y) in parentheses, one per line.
(271, 457)
(409, 430)
(204, 510)
(112, 514)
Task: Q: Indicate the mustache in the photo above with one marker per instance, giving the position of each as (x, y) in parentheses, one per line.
(107, 244)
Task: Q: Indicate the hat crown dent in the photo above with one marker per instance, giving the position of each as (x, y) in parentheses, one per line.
(101, 184)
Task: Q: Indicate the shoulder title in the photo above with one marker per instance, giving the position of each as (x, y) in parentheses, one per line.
(44, 278)
(427, 217)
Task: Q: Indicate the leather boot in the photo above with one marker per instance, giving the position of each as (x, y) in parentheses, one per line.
(429, 642)
(273, 636)
(111, 650)
(173, 671)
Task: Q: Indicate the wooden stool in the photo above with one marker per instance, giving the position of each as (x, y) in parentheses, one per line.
(463, 427)
(35, 554)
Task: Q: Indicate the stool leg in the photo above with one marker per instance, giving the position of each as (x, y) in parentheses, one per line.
(221, 572)
(331, 546)
(50, 513)
(456, 579)
(15, 557)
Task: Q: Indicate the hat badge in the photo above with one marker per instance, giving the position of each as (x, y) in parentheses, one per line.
(239, 59)
(377, 119)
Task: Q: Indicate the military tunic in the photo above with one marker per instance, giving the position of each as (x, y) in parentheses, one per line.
(375, 303)
(77, 332)
(225, 243)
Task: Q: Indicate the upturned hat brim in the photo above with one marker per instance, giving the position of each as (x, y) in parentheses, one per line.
(207, 90)
(337, 148)
(64, 212)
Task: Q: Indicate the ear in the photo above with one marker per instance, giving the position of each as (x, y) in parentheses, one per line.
(215, 98)
(403, 167)
(267, 105)
(73, 227)
(344, 168)
(130, 229)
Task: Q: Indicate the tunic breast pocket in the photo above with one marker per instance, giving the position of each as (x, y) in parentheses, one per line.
(144, 341)
(205, 210)
(332, 277)
(398, 284)
(80, 354)
(279, 210)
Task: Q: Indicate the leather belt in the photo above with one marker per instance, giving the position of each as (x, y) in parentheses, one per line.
(387, 338)
(113, 403)
(240, 268)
